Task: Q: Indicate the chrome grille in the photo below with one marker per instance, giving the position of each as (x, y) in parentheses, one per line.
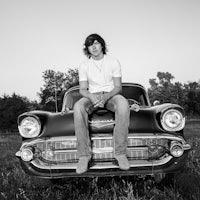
(66, 144)
(61, 157)
(102, 143)
(64, 149)
(136, 154)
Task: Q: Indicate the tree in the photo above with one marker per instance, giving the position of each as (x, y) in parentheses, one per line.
(10, 108)
(192, 101)
(163, 89)
(187, 95)
(165, 78)
(55, 86)
(180, 93)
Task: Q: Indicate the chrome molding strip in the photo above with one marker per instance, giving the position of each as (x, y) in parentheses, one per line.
(104, 137)
(144, 136)
(33, 142)
(108, 165)
(100, 150)
(186, 147)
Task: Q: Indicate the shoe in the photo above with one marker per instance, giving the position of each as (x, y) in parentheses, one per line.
(123, 162)
(82, 164)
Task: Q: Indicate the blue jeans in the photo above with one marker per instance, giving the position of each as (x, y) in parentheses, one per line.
(84, 107)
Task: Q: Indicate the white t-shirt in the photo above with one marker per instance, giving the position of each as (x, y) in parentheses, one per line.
(99, 74)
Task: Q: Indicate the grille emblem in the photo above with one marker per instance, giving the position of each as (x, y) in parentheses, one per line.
(101, 123)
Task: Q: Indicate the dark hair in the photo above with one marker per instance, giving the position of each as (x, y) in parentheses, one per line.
(90, 40)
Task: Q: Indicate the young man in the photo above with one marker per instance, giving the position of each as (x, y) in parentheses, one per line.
(100, 86)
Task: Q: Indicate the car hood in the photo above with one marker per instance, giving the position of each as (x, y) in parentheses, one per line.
(146, 120)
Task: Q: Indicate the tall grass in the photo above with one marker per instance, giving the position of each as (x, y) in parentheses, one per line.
(15, 184)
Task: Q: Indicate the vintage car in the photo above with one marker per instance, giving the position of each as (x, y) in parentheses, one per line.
(156, 144)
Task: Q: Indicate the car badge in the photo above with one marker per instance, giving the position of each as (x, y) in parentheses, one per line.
(101, 123)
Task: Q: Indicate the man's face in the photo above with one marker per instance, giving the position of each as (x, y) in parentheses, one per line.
(95, 49)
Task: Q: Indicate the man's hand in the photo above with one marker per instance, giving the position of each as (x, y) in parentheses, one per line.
(105, 98)
(95, 99)
(102, 99)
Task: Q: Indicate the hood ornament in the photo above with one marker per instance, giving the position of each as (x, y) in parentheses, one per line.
(101, 123)
(135, 107)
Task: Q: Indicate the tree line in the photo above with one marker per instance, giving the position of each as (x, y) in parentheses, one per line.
(162, 88)
(186, 95)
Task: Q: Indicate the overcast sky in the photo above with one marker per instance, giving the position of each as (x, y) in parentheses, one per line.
(146, 36)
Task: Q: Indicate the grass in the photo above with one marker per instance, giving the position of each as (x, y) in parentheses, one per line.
(15, 184)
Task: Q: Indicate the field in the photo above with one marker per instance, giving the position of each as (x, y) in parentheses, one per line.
(15, 184)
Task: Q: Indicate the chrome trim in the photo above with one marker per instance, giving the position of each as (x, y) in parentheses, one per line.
(134, 163)
(32, 142)
(102, 150)
(18, 153)
(101, 123)
(186, 147)
(144, 136)
(105, 136)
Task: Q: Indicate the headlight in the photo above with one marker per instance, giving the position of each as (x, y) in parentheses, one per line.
(27, 154)
(29, 127)
(176, 149)
(172, 120)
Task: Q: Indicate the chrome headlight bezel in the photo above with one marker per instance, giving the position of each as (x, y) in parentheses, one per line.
(172, 120)
(29, 127)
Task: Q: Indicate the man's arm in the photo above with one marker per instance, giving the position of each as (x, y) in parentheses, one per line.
(117, 87)
(116, 90)
(83, 89)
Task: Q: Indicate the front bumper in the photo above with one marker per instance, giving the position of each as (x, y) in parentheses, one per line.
(107, 169)
(52, 161)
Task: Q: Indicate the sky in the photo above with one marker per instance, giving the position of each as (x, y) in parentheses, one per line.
(146, 36)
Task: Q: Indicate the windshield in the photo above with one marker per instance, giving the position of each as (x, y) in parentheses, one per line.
(133, 92)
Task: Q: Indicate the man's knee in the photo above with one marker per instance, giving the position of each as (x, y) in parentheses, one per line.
(122, 103)
(78, 106)
(81, 105)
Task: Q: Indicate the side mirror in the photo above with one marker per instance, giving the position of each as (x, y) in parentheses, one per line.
(156, 102)
(67, 103)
